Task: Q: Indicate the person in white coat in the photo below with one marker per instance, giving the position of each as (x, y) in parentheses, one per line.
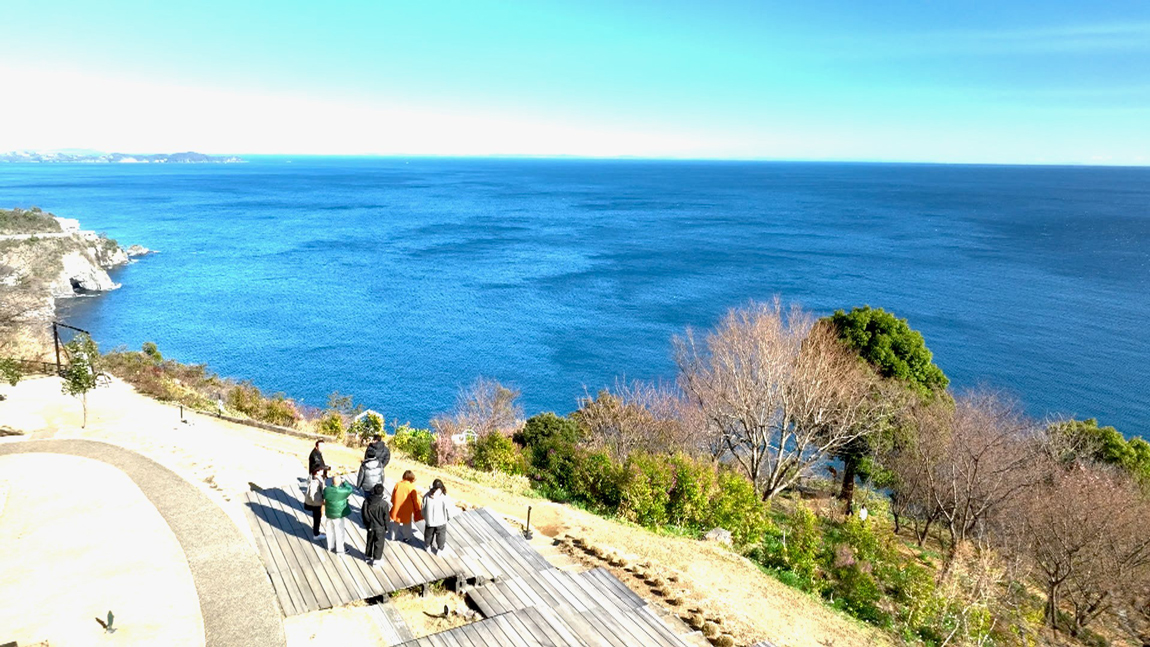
(437, 511)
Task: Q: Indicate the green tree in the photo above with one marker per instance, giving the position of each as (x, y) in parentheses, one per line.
(1085, 440)
(10, 371)
(82, 374)
(898, 353)
(152, 352)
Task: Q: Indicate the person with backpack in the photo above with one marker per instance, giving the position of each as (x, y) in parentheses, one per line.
(313, 499)
(382, 452)
(337, 510)
(437, 511)
(405, 507)
(376, 511)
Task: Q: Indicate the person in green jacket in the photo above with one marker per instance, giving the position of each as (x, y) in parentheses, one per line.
(336, 508)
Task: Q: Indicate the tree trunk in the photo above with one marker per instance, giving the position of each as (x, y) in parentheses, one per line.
(847, 494)
(1052, 606)
(84, 404)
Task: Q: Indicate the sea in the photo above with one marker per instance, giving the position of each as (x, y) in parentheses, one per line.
(399, 281)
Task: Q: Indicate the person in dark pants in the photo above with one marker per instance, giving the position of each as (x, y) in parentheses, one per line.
(437, 511)
(313, 499)
(315, 458)
(376, 511)
(370, 474)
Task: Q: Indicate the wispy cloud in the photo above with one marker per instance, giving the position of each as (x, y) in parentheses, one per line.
(1133, 36)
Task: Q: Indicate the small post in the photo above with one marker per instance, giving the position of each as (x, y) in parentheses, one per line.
(181, 413)
(56, 342)
(527, 531)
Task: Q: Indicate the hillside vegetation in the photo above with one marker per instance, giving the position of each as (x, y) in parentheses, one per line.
(947, 518)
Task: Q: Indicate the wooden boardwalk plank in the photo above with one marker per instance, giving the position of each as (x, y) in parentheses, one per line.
(275, 542)
(304, 557)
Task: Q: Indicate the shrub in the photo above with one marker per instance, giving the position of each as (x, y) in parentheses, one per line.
(366, 426)
(494, 451)
(331, 424)
(553, 465)
(152, 352)
(645, 489)
(737, 507)
(444, 450)
(547, 426)
(416, 443)
(801, 548)
(695, 485)
(595, 480)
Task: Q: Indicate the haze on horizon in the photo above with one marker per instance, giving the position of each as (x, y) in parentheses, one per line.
(979, 81)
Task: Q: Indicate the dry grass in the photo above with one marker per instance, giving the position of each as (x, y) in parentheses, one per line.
(424, 615)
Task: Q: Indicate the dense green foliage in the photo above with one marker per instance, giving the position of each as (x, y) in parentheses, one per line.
(367, 426)
(10, 371)
(890, 345)
(1085, 440)
(416, 443)
(495, 452)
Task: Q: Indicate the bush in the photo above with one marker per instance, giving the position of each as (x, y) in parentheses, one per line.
(645, 489)
(367, 426)
(545, 427)
(553, 464)
(595, 480)
(494, 451)
(152, 352)
(414, 442)
(444, 451)
(801, 548)
(737, 507)
(695, 485)
(331, 424)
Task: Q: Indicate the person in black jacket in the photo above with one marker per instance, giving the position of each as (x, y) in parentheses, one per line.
(375, 514)
(380, 449)
(315, 459)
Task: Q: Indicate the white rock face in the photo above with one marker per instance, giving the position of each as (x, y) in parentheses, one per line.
(69, 225)
(81, 272)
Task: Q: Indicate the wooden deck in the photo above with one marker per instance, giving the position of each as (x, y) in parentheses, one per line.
(525, 601)
(308, 577)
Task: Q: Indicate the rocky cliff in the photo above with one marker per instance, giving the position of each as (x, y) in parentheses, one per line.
(42, 259)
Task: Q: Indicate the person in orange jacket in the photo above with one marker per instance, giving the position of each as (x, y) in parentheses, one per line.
(406, 508)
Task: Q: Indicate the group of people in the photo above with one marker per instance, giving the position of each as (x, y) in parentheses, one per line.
(379, 514)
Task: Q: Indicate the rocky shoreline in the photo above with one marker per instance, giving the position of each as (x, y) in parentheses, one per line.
(44, 258)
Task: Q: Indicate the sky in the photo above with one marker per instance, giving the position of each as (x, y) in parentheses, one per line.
(972, 81)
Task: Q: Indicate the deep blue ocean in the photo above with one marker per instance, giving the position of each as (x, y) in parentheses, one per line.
(399, 281)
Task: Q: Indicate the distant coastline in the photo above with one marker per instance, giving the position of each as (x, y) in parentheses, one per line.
(96, 157)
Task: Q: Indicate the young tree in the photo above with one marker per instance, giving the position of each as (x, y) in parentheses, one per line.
(82, 374)
(779, 392)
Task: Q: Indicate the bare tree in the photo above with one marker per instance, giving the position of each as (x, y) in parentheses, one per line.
(484, 407)
(639, 416)
(1084, 532)
(780, 392)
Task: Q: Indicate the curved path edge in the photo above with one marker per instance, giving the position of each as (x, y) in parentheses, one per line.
(237, 601)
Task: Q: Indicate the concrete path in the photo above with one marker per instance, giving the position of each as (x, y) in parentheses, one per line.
(236, 598)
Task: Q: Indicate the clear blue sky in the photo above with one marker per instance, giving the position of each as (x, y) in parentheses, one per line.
(971, 81)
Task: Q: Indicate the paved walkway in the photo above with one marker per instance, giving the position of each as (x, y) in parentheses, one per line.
(237, 601)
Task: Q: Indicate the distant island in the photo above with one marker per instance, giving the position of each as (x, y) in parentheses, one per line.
(95, 157)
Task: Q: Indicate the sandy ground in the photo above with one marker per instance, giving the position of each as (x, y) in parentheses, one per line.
(222, 458)
(81, 539)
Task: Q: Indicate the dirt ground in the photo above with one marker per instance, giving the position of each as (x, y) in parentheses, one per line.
(224, 459)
